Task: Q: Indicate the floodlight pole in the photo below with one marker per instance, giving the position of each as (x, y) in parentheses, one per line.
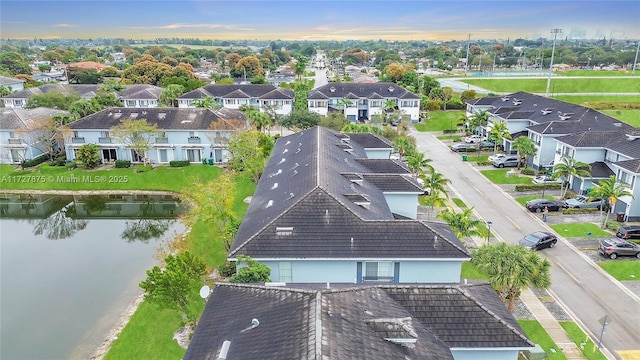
(466, 65)
(635, 61)
(555, 33)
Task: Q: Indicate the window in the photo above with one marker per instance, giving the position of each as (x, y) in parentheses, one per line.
(135, 157)
(378, 271)
(104, 134)
(193, 155)
(284, 269)
(611, 157)
(131, 103)
(162, 155)
(625, 178)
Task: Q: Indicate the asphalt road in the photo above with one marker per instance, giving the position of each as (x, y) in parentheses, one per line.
(587, 292)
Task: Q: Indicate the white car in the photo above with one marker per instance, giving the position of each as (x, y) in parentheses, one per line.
(546, 179)
(473, 139)
(494, 157)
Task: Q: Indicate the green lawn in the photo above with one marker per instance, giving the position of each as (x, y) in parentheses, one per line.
(46, 177)
(585, 99)
(560, 85)
(440, 121)
(589, 349)
(579, 230)
(449, 137)
(631, 117)
(622, 269)
(471, 272)
(478, 157)
(536, 333)
(459, 203)
(499, 176)
(595, 73)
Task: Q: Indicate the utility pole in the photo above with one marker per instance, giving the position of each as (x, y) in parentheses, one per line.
(635, 61)
(555, 33)
(466, 65)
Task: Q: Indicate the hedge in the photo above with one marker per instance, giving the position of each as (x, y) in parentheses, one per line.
(527, 171)
(179, 163)
(35, 161)
(533, 187)
(580, 210)
(122, 163)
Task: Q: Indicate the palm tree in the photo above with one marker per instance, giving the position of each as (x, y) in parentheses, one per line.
(610, 189)
(499, 132)
(207, 102)
(435, 182)
(417, 163)
(462, 119)
(344, 103)
(478, 119)
(511, 268)
(259, 119)
(567, 168)
(447, 94)
(525, 148)
(463, 224)
(403, 144)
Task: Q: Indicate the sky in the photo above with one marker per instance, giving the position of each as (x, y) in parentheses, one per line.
(431, 20)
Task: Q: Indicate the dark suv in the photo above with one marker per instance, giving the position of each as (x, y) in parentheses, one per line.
(615, 247)
(629, 232)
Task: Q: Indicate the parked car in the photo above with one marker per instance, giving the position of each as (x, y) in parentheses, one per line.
(615, 247)
(486, 145)
(538, 205)
(506, 161)
(539, 240)
(394, 156)
(425, 190)
(546, 179)
(461, 147)
(629, 232)
(472, 139)
(493, 157)
(583, 202)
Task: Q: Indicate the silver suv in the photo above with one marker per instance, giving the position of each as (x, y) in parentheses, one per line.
(615, 247)
(506, 161)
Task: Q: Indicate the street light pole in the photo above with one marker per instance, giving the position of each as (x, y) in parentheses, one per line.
(489, 223)
(555, 33)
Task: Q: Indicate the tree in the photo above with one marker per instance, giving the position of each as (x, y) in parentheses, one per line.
(53, 99)
(81, 108)
(88, 76)
(171, 93)
(258, 119)
(394, 71)
(300, 120)
(417, 163)
(403, 144)
(300, 66)
(333, 120)
(250, 271)
(46, 135)
(247, 67)
(249, 152)
(171, 287)
(207, 102)
(610, 189)
(567, 168)
(477, 120)
(525, 148)
(137, 135)
(88, 155)
(463, 224)
(447, 94)
(511, 268)
(14, 63)
(344, 103)
(499, 132)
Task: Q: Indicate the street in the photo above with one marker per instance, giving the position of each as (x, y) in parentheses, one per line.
(576, 281)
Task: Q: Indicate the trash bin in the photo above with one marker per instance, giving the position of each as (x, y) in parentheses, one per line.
(204, 161)
(464, 157)
(620, 217)
(210, 161)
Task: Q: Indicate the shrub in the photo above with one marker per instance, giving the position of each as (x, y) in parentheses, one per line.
(34, 162)
(88, 155)
(449, 131)
(580, 211)
(60, 161)
(120, 164)
(227, 269)
(144, 168)
(528, 171)
(179, 163)
(70, 165)
(536, 187)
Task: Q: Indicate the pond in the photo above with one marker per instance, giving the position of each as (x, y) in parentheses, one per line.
(70, 267)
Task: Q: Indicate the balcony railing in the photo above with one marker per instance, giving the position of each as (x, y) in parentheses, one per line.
(162, 140)
(104, 140)
(77, 140)
(378, 278)
(193, 140)
(15, 141)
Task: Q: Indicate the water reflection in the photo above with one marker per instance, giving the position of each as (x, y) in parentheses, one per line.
(60, 217)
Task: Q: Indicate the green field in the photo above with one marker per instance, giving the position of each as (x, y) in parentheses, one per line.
(631, 117)
(589, 349)
(579, 230)
(440, 121)
(560, 85)
(536, 333)
(499, 176)
(621, 269)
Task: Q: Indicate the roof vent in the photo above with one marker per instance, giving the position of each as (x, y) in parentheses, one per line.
(295, 172)
(505, 98)
(632, 137)
(254, 323)
(617, 124)
(282, 160)
(390, 88)
(565, 116)
(274, 186)
(332, 89)
(298, 150)
(290, 196)
(224, 350)
(546, 111)
(285, 151)
(284, 231)
(269, 204)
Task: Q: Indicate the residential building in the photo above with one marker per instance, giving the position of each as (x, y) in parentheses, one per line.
(19, 136)
(182, 134)
(263, 97)
(14, 85)
(139, 95)
(282, 75)
(560, 129)
(363, 100)
(341, 321)
(330, 207)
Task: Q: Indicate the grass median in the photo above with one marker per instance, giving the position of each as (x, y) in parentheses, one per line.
(622, 270)
(574, 230)
(503, 177)
(536, 333)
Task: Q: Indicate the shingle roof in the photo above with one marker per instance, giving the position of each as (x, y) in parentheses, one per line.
(371, 141)
(14, 119)
(361, 90)
(136, 91)
(393, 182)
(164, 118)
(632, 165)
(600, 170)
(4, 80)
(302, 321)
(239, 91)
(309, 185)
(621, 141)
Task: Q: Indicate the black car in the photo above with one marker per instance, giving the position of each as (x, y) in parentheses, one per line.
(629, 232)
(539, 240)
(538, 205)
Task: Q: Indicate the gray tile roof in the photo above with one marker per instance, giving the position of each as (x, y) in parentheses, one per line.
(632, 165)
(393, 182)
(239, 91)
(302, 321)
(309, 185)
(140, 92)
(137, 91)
(361, 90)
(621, 141)
(14, 119)
(371, 141)
(384, 166)
(5, 80)
(600, 170)
(164, 118)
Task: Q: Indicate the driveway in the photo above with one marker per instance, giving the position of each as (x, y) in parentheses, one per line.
(588, 293)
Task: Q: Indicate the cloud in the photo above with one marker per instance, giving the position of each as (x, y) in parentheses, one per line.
(65, 25)
(197, 26)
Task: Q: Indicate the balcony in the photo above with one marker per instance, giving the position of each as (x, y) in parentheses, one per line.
(194, 140)
(77, 140)
(104, 140)
(15, 141)
(162, 140)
